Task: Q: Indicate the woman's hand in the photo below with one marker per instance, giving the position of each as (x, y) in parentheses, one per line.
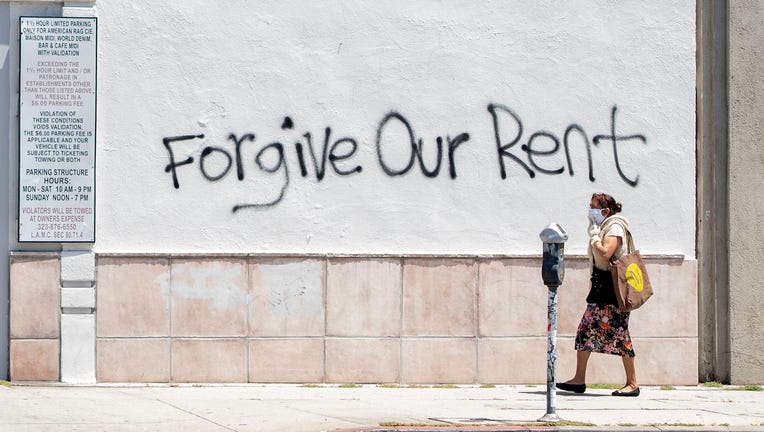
(594, 233)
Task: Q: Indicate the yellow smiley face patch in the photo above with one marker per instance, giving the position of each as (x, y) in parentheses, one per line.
(634, 277)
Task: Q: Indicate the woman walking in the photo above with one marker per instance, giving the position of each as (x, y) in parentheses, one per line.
(603, 328)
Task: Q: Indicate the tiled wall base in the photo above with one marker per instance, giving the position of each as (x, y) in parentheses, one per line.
(35, 317)
(410, 320)
(35, 359)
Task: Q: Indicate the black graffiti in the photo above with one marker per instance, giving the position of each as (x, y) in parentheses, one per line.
(416, 147)
(319, 164)
(502, 149)
(319, 161)
(317, 156)
(173, 165)
(281, 162)
(238, 142)
(566, 143)
(334, 151)
(206, 152)
(533, 154)
(213, 177)
(614, 139)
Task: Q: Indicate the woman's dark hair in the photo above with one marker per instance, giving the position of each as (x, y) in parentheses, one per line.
(608, 202)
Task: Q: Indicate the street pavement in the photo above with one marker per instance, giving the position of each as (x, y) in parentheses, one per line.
(308, 408)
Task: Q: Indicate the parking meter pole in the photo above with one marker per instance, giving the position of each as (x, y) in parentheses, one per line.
(551, 358)
(553, 238)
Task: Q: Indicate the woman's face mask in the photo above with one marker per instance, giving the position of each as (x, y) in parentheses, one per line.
(596, 216)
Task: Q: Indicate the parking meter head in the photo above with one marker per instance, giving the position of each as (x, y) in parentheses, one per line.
(553, 233)
(553, 238)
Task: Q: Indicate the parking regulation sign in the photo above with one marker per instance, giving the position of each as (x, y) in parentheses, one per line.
(57, 129)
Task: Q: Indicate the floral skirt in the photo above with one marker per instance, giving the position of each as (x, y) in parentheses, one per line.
(603, 329)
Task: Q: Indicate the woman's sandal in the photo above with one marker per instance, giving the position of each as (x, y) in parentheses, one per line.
(632, 393)
(575, 388)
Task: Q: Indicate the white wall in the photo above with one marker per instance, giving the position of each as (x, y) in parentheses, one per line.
(193, 67)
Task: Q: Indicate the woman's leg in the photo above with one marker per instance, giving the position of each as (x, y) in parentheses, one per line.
(582, 359)
(631, 374)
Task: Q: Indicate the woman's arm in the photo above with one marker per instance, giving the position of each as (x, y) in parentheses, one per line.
(607, 247)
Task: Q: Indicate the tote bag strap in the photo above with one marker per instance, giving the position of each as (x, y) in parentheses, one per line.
(629, 239)
(630, 245)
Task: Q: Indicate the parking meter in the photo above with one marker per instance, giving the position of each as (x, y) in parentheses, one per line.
(553, 238)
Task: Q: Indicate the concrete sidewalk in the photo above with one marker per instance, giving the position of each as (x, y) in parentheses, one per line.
(295, 408)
